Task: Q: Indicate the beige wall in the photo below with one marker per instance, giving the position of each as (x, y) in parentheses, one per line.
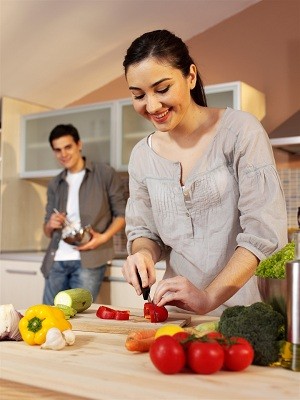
(259, 46)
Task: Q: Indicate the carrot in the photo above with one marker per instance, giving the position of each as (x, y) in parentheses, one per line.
(140, 340)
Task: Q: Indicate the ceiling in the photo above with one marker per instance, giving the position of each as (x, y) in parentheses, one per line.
(53, 52)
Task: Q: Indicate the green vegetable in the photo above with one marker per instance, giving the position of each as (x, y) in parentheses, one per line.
(68, 311)
(206, 327)
(262, 326)
(274, 266)
(79, 299)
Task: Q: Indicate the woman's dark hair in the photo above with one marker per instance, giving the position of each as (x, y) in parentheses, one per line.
(64, 130)
(164, 45)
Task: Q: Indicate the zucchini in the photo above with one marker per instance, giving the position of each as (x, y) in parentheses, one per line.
(78, 298)
(68, 311)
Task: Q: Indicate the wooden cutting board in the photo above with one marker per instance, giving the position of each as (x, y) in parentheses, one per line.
(89, 322)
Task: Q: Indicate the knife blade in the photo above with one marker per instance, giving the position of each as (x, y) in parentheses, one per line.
(146, 290)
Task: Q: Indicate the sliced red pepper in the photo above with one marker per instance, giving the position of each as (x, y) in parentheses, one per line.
(155, 313)
(109, 313)
(122, 315)
(106, 313)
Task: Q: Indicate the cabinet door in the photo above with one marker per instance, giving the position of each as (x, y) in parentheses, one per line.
(130, 130)
(95, 124)
(22, 283)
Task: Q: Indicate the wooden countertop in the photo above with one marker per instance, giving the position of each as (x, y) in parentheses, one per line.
(98, 367)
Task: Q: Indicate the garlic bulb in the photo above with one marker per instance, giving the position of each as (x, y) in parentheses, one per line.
(54, 340)
(9, 323)
(69, 337)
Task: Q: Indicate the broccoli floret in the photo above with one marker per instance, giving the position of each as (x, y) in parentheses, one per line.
(262, 326)
(274, 266)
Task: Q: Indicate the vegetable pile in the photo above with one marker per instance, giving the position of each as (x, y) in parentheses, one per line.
(260, 324)
(172, 350)
(274, 266)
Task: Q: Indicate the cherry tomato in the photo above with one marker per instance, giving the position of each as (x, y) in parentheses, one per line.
(181, 336)
(214, 335)
(205, 357)
(238, 354)
(167, 355)
(155, 313)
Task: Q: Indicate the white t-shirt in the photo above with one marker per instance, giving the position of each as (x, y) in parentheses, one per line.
(66, 251)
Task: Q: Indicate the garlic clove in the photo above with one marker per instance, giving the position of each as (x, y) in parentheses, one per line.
(54, 340)
(69, 337)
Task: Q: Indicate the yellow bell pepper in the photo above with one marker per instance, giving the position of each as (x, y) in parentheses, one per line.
(38, 320)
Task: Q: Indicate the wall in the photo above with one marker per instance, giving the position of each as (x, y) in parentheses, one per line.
(259, 46)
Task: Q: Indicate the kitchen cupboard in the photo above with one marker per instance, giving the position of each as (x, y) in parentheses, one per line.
(110, 130)
(95, 123)
(21, 283)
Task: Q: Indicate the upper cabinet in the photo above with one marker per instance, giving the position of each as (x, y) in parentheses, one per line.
(110, 130)
(95, 124)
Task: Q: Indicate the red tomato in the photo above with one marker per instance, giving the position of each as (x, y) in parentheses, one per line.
(239, 354)
(214, 335)
(167, 355)
(155, 313)
(106, 313)
(181, 336)
(205, 357)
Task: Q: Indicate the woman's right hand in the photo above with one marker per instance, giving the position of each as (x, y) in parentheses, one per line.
(139, 263)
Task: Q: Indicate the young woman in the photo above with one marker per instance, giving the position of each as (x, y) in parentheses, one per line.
(204, 191)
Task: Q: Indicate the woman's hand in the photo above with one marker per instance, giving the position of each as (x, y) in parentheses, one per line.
(141, 263)
(180, 292)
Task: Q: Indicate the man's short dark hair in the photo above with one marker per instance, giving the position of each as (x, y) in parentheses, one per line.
(64, 130)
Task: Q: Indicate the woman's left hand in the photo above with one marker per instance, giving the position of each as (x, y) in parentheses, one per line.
(180, 292)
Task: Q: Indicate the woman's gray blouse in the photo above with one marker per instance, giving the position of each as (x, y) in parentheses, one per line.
(233, 197)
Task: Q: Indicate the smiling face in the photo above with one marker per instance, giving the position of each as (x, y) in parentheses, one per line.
(68, 153)
(160, 93)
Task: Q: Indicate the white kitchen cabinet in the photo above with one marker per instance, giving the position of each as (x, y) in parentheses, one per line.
(95, 124)
(237, 95)
(109, 131)
(117, 292)
(132, 127)
(21, 283)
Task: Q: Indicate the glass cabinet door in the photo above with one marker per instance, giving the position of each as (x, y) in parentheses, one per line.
(94, 124)
(131, 129)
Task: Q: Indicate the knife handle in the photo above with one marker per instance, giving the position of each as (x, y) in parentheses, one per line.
(146, 290)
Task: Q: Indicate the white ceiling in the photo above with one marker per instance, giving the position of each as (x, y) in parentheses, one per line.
(54, 52)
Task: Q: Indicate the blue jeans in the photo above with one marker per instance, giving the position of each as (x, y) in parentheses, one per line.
(68, 275)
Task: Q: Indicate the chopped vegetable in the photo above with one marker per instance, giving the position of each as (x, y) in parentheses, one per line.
(68, 311)
(260, 324)
(274, 266)
(9, 323)
(38, 320)
(155, 313)
(109, 313)
(78, 298)
(140, 340)
(206, 327)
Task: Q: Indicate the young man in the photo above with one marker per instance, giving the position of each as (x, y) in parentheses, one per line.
(88, 193)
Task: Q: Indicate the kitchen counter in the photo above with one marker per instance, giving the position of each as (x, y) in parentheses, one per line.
(98, 367)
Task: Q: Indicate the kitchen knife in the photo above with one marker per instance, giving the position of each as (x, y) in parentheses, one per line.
(146, 290)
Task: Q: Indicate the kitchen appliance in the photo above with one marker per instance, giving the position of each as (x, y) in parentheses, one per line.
(286, 136)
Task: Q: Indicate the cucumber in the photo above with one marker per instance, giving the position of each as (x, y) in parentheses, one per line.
(68, 311)
(78, 298)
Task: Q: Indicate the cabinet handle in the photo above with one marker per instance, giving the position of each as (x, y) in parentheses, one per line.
(113, 279)
(20, 271)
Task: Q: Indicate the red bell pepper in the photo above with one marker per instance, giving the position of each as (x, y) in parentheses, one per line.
(155, 313)
(109, 313)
